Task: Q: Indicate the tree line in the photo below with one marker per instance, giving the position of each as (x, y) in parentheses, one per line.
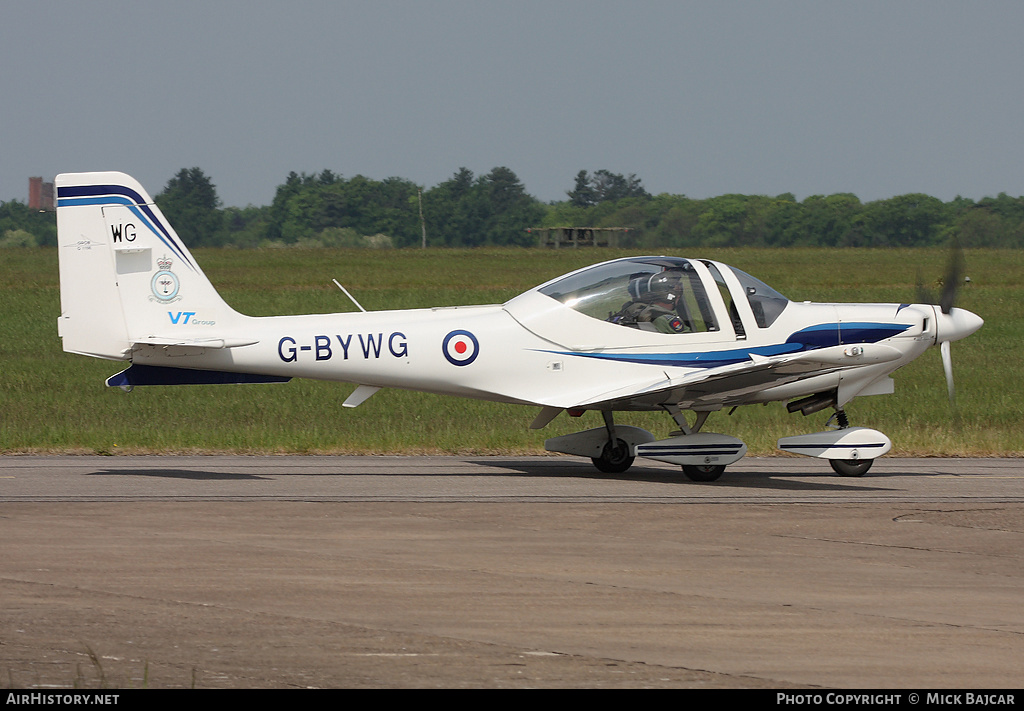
(467, 210)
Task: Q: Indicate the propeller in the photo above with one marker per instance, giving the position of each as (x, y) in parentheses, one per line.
(951, 323)
(947, 366)
(950, 281)
(954, 277)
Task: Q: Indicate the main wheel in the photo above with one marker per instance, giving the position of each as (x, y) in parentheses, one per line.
(615, 457)
(850, 467)
(703, 472)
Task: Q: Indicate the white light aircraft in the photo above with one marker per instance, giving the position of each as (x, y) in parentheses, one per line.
(639, 333)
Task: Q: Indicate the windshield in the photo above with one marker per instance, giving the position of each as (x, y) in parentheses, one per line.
(651, 293)
(765, 302)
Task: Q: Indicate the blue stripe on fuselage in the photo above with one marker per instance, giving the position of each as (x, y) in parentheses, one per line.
(709, 359)
(864, 332)
(807, 339)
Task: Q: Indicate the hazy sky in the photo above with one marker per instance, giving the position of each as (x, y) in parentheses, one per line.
(695, 98)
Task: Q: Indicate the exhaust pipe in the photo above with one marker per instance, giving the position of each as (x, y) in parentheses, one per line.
(813, 403)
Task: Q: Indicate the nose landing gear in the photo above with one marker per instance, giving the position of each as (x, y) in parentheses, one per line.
(850, 467)
(703, 472)
(850, 451)
(847, 467)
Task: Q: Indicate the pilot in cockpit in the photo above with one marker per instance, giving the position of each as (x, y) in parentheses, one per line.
(653, 303)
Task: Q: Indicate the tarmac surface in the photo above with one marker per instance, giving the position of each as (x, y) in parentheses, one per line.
(508, 572)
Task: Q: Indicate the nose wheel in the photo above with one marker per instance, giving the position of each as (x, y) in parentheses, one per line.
(850, 467)
(703, 472)
(847, 467)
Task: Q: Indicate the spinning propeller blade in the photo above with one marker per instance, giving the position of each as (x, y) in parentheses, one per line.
(950, 282)
(951, 323)
(947, 365)
(954, 276)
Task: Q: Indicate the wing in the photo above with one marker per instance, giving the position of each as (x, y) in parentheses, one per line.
(733, 382)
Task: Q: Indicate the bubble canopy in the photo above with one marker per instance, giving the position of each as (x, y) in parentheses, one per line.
(607, 291)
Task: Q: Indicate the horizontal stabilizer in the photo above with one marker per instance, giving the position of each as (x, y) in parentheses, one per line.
(215, 343)
(160, 375)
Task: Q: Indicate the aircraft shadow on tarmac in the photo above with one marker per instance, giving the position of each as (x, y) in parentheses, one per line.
(825, 481)
(193, 474)
(774, 479)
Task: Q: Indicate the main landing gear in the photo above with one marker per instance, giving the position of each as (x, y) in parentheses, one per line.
(613, 448)
(704, 456)
(850, 467)
(703, 472)
(616, 456)
(709, 469)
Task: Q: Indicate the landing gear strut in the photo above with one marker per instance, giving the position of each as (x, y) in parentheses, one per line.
(613, 448)
(848, 467)
(695, 472)
(615, 457)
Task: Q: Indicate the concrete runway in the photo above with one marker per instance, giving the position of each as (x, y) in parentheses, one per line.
(372, 572)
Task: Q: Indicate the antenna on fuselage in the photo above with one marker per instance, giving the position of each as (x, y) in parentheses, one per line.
(349, 295)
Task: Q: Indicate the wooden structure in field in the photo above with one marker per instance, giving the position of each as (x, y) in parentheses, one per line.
(573, 237)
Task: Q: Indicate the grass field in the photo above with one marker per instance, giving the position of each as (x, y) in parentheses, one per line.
(56, 402)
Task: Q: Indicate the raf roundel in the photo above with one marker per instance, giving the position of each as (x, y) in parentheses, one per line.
(460, 347)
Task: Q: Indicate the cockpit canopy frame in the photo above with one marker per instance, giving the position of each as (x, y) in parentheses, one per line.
(667, 294)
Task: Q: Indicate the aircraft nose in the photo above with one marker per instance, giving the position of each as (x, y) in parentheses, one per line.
(957, 324)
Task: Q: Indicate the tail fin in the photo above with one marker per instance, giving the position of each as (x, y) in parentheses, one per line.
(125, 276)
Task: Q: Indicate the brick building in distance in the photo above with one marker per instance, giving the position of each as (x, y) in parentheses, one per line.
(40, 195)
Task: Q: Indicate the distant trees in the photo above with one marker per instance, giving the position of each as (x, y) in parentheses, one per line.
(463, 211)
(604, 186)
(503, 209)
(307, 205)
(189, 201)
(453, 212)
(839, 220)
(24, 227)
(329, 210)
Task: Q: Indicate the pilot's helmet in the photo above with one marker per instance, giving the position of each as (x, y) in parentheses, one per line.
(663, 286)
